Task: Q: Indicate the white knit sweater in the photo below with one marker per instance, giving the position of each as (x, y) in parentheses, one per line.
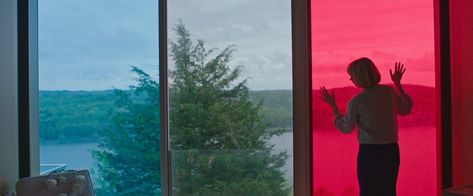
(374, 112)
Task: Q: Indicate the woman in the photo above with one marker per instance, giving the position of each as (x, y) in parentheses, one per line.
(373, 111)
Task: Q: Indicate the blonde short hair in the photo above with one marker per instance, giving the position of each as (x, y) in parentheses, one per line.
(364, 73)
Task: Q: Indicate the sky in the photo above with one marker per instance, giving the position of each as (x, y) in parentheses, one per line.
(91, 45)
(385, 31)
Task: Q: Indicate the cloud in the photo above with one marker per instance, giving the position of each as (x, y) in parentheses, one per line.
(261, 31)
(385, 31)
(90, 45)
(420, 69)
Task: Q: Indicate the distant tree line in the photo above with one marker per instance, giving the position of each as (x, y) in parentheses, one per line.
(75, 116)
(83, 116)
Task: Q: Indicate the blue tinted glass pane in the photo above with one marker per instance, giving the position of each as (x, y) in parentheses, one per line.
(99, 92)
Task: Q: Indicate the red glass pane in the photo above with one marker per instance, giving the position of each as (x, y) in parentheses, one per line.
(385, 31)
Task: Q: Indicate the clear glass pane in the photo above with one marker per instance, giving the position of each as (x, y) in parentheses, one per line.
(386, 32)
(230, 97)
(99, 94)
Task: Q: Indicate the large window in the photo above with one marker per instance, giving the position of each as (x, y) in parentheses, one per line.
(385, 31)
(230, 107)
(99, 93)
(230, 97)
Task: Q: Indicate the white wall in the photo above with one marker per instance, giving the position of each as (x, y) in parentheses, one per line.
(8, 94)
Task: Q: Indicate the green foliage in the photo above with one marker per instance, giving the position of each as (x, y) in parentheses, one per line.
(128, 158)
(277, 107)
(74, 116)
(218, 139)
(84, 116)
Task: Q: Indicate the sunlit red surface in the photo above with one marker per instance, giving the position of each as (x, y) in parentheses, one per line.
(385, 31)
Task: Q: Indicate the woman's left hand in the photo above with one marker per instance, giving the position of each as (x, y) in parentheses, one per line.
(398, 72)
(328, 97)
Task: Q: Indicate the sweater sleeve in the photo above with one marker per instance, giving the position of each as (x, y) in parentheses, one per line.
(346, 123)
(404, 103)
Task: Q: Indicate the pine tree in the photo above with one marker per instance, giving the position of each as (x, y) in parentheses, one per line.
(218, 140)
(129, 157)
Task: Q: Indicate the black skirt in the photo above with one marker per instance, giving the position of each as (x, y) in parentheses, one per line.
(378, 168)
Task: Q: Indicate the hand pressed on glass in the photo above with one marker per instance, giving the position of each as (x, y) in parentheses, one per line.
(398, 72)
(329, 98)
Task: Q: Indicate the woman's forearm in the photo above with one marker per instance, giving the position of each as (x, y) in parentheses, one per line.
(405, 102)
(399, 88)
(401, 91)
(335, 110)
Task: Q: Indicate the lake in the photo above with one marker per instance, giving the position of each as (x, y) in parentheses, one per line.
(77, 156)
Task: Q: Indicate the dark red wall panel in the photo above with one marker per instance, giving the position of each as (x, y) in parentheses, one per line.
(461, 43)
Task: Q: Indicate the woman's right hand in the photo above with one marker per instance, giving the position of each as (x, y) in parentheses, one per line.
(328, 97)
(398, 72)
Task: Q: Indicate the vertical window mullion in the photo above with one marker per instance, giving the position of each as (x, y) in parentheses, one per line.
(302, 97)
(163, 87)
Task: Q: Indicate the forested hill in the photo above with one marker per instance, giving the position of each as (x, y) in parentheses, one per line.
(74, 116)
(83, 116)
